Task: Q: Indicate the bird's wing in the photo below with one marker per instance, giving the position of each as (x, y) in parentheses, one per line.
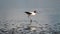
(27, 12)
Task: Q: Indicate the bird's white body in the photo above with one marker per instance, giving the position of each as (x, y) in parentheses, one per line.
(32, 13)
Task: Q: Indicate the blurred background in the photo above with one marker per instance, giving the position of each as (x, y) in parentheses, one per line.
(12, 12)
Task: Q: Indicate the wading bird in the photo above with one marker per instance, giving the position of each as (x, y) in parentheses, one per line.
(31, 13)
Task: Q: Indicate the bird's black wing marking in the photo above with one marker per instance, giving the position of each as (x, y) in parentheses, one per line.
(28, 13)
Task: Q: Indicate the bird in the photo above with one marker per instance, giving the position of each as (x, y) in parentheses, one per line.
(31, 13)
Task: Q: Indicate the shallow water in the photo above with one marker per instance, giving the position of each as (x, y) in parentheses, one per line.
(12, 13)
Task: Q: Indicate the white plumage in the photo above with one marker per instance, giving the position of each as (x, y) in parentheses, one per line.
(31, 13)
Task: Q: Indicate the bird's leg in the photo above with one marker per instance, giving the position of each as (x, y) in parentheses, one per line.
(28, 16)
(30, 21)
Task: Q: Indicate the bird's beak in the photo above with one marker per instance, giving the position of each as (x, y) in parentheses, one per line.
(38, 12)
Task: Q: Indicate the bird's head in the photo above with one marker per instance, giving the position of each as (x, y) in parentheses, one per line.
(36, 11)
